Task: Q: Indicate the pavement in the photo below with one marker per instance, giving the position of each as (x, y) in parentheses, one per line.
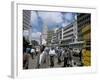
(33, 62)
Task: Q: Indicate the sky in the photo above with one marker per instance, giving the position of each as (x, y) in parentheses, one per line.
(51, 19)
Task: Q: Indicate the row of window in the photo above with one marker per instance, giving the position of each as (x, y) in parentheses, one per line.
(66, 28)
(83, 17)
(66, 41)
(80, 27)
(25, 21)
(68, 31)
(83, 23)
(86, 19)
(27, 12)
(26, 18)
(68, 35)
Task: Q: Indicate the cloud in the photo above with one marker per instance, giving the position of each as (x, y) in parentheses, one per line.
(33, 17)
(64, 24)
(51, 19)
(36, 22)
(25, 32)
(69, 17)
(36, 36)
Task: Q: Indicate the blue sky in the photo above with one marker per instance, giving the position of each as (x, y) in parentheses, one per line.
(50, 19)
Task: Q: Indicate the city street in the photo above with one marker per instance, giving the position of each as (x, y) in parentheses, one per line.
(33, 62)
(69, 41)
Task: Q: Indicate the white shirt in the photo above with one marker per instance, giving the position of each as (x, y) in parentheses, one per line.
(32, 50)
(52, 52)
(37, 49)
(41, 57)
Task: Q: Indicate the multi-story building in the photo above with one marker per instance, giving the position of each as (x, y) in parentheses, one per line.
(54, 37)
(59, 33)
(69, 33)
(84, 34)
(50, 34)
(84, 28)
(26, 19)
(27, 23)
(44, 35)
(55, 40)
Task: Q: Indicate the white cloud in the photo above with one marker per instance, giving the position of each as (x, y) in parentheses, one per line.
(33, 17)
(51, 17)
(36, 36)
(25, 32)
(69, 16)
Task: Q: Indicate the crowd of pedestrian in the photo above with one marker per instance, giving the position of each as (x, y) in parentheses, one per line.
(46, 56)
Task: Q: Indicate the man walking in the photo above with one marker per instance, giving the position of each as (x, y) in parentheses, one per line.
(52, 54)
(32, 53)
(65, 55)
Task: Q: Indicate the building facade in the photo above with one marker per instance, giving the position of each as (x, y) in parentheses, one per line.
(54, 37)
(50, 34)
(69, 34)
(84, 34)
(59, 33)
(44, 35)
(27, 24)
(84, 28)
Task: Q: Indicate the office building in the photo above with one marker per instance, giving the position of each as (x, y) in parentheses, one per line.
(44, 34)
(27, 24)
(50, 37)
(84, 28)
(69, 34)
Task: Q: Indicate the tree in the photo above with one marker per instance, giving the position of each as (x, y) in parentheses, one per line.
(25, 44)
(34, 43)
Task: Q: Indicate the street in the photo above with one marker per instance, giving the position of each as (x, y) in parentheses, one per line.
(33, 62)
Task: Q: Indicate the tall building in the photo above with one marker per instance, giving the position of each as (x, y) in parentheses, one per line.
(59, 34)
(69, 33)
(54, 36)
(84, 34)
(44, 34)
(27, 23)
(50, 37)
(84, 28)
(26, 19)
(75, 33)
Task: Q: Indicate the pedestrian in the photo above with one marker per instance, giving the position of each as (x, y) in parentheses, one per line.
(70, 52)
(38, 58)
(43, 58)
(32, 53)
(80, 56)
(52, 54)
(59, 55)
(62, 53)
(28, 50)
(65, 55)
(37, 50)
(25, 60)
